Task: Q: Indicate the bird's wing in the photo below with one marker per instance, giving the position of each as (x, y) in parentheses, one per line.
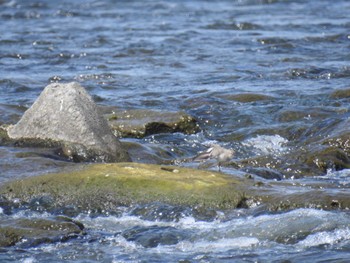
(203, 155)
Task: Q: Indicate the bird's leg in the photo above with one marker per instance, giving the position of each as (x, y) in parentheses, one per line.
(219, 164)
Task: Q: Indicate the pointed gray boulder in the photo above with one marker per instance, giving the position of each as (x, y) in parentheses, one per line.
(67, 114)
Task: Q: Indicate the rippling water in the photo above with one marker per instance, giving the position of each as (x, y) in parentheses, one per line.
(195, 56)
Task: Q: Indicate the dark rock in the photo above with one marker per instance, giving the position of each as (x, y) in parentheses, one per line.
(41, 203)
(265, 173)
(35, 231)
(154, 235)
(159, 212)
(4, 138)
(141, 123)
(66, 115)
(329, 158)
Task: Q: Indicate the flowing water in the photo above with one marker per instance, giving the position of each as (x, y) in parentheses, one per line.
(199, 57)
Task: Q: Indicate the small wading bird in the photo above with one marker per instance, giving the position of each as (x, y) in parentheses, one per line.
(217, 152)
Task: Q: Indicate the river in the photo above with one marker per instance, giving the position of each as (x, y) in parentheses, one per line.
(203, 58)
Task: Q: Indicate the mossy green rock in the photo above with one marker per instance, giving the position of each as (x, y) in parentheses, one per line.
(103, 187)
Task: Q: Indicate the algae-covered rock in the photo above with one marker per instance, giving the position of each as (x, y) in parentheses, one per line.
(4, 138)
(36, 231)
(340, 93)
(140, 123)
(66, 114)
(101, 187)
(329, 158)
(248, 97)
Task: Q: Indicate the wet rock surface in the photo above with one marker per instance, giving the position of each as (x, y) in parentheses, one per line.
(29, 232)
(158, 211)
(66, 115)
(139, 123)
(286, 195)
(154, 235)
(310, 151)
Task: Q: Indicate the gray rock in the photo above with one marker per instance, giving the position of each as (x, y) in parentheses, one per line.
(66, 113)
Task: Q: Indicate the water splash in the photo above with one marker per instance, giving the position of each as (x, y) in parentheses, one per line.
(325, 238)
(266, 144)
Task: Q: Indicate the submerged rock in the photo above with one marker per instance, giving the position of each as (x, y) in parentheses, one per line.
(158, 211)
(140, 123)
(66, 115)
(249, 97)
(284, 195)
(340, 93)
(329, 146)
(35, 231)
(154, 236)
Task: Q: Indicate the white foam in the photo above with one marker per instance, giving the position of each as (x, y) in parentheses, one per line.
(120, 242)
(345, 173)
(315, 227)
(266, 227)
(219, 245)
(31, 214)
(29, 260)
(114, 224)
(325, 238)
(191, 223)
(267, 144)
(342, 176)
